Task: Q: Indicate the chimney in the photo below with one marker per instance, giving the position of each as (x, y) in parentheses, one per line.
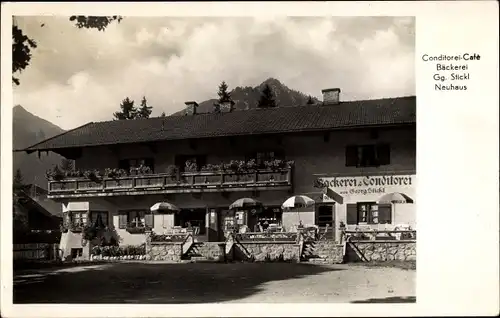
(331, 96)
(224, 107)
(191, 108)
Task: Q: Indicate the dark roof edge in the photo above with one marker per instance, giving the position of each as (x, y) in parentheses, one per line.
(28, 150)
(237, 135)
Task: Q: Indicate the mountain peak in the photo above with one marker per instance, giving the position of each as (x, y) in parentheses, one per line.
(247, 97)
(271, 81)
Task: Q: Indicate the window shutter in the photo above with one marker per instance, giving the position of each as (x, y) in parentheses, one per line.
(65, 217)
(149, 220)
(150, 162)
(352, 214)
(122, 222)
(351, 156)
(384, 154)
(384, 213)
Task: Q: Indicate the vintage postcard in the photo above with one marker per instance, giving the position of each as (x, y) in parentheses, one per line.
(249, 159)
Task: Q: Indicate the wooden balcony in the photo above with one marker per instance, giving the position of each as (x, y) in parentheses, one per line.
(189, 182)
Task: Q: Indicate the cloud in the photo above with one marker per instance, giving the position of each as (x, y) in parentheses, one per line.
(77, 76)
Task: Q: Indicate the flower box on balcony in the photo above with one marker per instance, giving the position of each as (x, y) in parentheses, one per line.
(137, 229)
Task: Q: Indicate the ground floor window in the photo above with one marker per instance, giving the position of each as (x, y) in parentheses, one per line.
(135, 219)
(270, 215)
(76, 252)
(99, 218)
(369, 213)
(192, 219)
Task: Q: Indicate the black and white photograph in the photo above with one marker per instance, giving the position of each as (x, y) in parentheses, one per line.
(201, 160)
(262, 159)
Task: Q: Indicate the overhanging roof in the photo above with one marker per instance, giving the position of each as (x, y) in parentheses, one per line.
(379, 112)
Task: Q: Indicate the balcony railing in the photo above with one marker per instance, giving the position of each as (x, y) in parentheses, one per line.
(166, 183)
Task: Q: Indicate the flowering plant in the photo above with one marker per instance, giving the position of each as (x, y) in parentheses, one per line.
(141, 170)
(93, 175)
(114, 173)
(191, 166)
(172, 171)
(74, 174)
(55, 174)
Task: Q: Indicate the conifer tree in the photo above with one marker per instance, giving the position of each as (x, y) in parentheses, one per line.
(224, 95)
(145, 110)
(128, 111)
(266, 98)
(67, 165)
(18, 181)
(310, 101)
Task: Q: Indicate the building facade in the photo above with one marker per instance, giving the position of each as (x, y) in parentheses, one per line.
(344, 155)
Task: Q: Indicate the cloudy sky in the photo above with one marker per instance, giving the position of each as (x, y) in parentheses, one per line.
(77, 76)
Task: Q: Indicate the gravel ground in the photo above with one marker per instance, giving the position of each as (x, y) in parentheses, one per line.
(214, 283)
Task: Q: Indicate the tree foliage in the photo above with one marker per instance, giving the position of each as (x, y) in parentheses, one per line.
(93, 22)
(145, 110)
(163, 114)
(266, 98)
(22, 44)
(223, 93)
(21, 51)
(128, 110)
(310, 101)
(18, 181)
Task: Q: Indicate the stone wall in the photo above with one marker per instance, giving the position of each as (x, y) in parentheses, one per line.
(263, 251)
(170, 252)
(381, 251)
(325, 252)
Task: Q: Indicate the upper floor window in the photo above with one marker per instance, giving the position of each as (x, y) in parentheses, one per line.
(368, 155)
(127, 164)
(263, 156)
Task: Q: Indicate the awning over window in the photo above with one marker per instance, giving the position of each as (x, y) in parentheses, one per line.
(326, 196)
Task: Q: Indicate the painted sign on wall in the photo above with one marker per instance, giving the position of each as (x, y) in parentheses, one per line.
(365, 184)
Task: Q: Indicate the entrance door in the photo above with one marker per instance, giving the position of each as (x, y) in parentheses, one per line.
(325, 215)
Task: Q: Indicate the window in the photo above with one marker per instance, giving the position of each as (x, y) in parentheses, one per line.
(127, 164)
(78, 219)
(76, 252)
(368, 155)
(369, 213)
(135, 219)
(200, 160)
(99, 218)
(263, 156)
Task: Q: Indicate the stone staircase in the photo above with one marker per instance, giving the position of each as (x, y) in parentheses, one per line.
(322, 252)
(203, 252)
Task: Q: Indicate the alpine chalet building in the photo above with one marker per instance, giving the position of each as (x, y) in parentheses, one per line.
(346, 156)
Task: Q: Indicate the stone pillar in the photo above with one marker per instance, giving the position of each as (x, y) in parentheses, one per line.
(148, 244)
